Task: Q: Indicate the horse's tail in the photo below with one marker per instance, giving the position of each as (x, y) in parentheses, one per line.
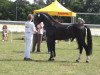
(89, 40)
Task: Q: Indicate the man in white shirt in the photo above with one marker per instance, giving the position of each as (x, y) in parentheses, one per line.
(38, 37)
(29, 31)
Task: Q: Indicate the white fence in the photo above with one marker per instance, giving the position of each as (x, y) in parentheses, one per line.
(18, 26)
(13, 26)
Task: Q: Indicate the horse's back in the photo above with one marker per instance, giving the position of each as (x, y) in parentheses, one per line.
(61, 32)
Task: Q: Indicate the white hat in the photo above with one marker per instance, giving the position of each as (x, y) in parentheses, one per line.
(80, 20)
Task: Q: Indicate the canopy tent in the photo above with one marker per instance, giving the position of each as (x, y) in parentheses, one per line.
(56, 9)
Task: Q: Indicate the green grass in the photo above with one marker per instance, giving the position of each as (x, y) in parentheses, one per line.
(11, 59)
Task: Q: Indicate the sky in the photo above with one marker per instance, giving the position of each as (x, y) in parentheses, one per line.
(31, 1)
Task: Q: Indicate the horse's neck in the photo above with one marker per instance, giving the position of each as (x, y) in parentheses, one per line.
(50, 22)
(52, 19)
(47, 23)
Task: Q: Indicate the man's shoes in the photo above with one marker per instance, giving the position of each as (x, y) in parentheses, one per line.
(27, 59)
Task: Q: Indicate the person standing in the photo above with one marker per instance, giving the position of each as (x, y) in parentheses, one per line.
(38, 37)
(80, 22)
(29, 30)
(4, 33)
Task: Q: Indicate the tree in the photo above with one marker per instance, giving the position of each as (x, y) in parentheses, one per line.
(92, 6)
(8, 9)
(4, 9)
(49, 1)
(24, 8)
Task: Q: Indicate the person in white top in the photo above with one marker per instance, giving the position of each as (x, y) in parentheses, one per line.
(38, 37)
(29, 31)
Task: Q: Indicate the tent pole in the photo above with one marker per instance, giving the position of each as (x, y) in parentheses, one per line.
(73, 20)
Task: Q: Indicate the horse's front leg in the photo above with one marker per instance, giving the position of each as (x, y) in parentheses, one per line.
(87, 54)
(79, 58)
(51, 48)
(51, 58)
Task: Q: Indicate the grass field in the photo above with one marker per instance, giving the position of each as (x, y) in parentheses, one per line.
(11, 59)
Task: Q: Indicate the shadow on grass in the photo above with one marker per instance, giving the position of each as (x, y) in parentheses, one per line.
(18, 39)
(56, 61)
(62, 62)
(32, 60)
(39, 61)
(10, 60)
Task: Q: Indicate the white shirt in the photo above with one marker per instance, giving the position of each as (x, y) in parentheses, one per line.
(40, 28)
(29, 28)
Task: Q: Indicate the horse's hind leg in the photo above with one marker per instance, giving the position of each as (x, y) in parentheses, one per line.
(87, 59)
(52, 55)
(87, 53)
(80, 53)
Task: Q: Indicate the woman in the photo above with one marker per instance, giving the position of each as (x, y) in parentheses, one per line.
(38, 37)
(29, 30)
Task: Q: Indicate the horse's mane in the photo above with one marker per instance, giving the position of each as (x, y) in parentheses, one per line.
(51, 18)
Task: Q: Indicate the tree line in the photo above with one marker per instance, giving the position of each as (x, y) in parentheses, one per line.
(19, 9)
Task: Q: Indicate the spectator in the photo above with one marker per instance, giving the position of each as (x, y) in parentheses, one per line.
(80, 22)
(4, 33)
(38, 37)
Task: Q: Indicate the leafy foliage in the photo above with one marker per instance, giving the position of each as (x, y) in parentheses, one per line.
(8, 9)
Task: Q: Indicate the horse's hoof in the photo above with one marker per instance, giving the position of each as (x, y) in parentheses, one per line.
(77, 61)
(51, 59)
(87, 61)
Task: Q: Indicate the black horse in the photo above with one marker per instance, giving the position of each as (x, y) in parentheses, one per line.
(58, 31)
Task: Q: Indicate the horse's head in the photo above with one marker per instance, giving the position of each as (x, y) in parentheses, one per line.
(37, 19)
(43, 17)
